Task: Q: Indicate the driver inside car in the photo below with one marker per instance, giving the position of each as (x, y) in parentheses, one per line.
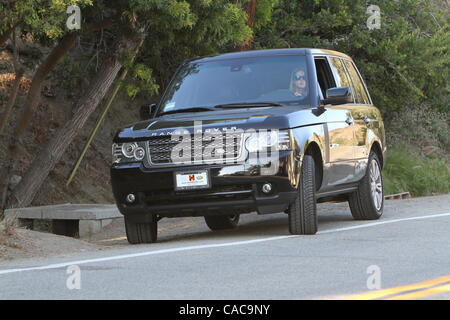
(299, 85)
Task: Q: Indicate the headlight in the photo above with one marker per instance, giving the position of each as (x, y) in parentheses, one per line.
(128, 149)
(128, 152)
(273, 140)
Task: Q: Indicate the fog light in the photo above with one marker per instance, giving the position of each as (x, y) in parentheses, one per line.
(131, 198)
(267, 188)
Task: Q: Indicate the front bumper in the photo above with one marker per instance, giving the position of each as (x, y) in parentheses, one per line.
(235, 189)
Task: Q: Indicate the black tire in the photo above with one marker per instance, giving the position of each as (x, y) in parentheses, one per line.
(141, 232)
(222, 222)
(303, 211)
(362, 202)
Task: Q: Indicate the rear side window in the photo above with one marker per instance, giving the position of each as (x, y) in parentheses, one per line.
(359, 89)
(340, 73)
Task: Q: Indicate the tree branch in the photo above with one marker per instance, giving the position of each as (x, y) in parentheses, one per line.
(7, 34)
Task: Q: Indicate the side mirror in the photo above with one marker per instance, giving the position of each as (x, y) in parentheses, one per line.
(147, 110)
(340, 95)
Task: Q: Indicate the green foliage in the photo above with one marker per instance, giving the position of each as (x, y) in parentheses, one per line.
(39, 17)
(141, 80)
(406, 171)
(175, 30)
(154, 12)
(264, 11)
(213, 27)
(404, 62)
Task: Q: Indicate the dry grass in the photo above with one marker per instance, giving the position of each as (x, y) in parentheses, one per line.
(8, 233)
(8, 226)
(7, 79)
(421, 126)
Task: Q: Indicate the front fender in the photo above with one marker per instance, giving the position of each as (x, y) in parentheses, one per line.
(302, 139)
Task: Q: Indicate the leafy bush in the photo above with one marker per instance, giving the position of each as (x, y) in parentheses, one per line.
(419, 125)
(418, 140)
(406, 170)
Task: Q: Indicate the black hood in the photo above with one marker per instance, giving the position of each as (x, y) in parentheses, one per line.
(284, 117)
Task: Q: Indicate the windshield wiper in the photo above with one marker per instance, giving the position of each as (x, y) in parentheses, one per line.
(195, 109)
(248, 105)
(229, 105)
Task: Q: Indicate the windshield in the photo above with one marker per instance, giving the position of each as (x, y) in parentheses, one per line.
(277, 79)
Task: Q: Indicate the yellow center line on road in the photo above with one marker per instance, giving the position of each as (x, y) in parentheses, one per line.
(422, 293)
(423, 286)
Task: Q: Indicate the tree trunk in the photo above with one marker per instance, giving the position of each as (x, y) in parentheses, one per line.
(251, 11)
(6, 173)
(58, 52)
(19, 72)
(41, 166)
(6, 168)
(5, 36)
(34, 94)
(32, 100)
(11, 100)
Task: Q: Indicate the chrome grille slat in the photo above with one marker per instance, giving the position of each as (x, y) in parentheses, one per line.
(117, 150)
(160, 148)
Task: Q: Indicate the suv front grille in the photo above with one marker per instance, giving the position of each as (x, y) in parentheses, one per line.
(228, 147)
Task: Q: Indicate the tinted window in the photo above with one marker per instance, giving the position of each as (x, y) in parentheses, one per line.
(340, 73)
(261, 79)
(358, 86)
(324, 75)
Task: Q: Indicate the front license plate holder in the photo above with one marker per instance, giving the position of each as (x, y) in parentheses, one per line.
(192, 180)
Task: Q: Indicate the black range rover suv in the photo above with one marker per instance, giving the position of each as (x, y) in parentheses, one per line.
(268, 131)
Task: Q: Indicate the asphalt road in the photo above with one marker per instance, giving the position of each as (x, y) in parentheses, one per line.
(406, 253)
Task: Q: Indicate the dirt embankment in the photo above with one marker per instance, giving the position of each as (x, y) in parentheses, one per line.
(91, 184)
(18, 243)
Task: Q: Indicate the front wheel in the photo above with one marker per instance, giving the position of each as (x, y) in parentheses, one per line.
(222, 222)
(367, 202)
(141, 232)
(303, 212)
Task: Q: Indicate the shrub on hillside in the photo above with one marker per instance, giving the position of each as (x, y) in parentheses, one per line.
(419, 125)
(408, 171)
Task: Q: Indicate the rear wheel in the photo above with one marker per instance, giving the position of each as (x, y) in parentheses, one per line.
(367, 202)
(303, 212)
(141, 232)
(222, 222)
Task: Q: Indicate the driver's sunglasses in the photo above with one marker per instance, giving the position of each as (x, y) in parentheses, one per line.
(299, 77)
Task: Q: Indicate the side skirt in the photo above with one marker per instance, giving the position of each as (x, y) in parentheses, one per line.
(336, 192)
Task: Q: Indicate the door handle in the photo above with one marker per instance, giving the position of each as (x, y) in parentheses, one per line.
(349, 121)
